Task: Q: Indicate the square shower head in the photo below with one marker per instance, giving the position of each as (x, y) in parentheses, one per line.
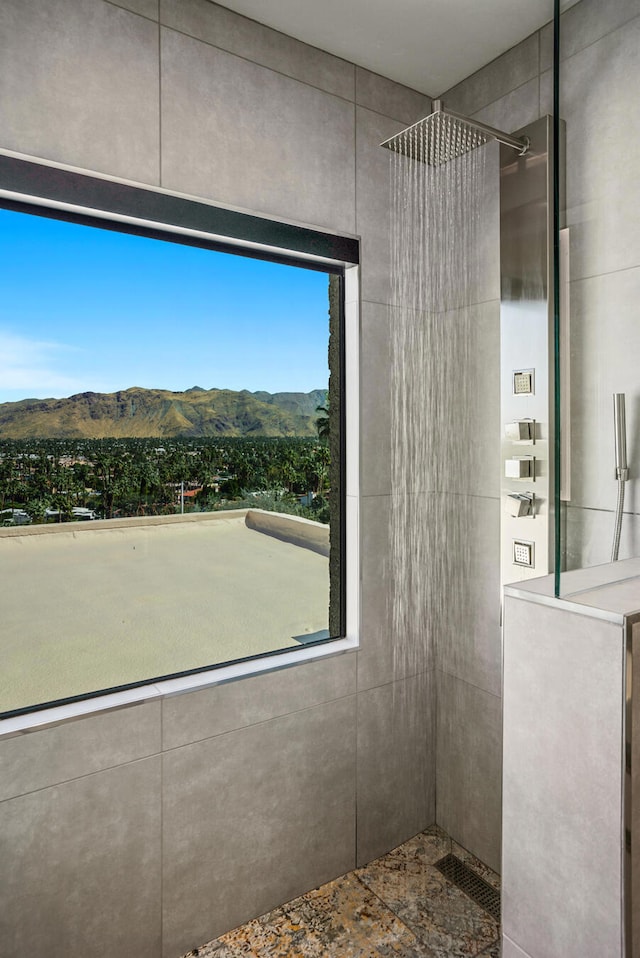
(445, 135)
(436, 139)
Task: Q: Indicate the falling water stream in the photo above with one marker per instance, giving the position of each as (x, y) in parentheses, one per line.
(436, 265)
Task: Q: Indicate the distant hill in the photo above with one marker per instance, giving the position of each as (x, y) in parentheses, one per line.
(140, 413)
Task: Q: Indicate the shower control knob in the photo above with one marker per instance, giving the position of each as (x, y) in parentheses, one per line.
(520, 505)
(522, 430)
(519, 468)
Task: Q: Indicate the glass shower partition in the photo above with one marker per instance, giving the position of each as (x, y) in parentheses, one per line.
(593, 84)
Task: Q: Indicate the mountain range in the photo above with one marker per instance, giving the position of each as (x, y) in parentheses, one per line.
(140, 413)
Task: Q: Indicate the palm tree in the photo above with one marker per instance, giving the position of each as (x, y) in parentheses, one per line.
(36, 509)
(107, 469)
(323, 422)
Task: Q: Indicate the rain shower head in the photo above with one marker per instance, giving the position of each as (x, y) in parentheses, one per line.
(445, 135)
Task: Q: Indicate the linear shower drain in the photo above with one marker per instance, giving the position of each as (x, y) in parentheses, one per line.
(466, 880)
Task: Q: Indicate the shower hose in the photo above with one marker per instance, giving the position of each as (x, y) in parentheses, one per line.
(618, 524)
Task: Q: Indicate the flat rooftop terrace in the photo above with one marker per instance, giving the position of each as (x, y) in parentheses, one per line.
(94, 605)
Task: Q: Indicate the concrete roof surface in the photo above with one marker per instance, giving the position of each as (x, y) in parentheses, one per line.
(92, 608)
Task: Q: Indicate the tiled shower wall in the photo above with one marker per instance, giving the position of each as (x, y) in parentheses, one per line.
(153, 828)
(599, 77)
(184, 817)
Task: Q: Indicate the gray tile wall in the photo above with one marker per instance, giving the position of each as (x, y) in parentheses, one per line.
(230, 128)
(79, 84)
(185, 816)
(396, 756)
(563, 780)
(81, 865)
(253, 816)
(188, 816)
(468, 761)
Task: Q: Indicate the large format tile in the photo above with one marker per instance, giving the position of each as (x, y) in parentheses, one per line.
(546, 47)
(373, 212)
(375, 654)
(57, 754)
(471, 649)
(495, 80)
(603, 193)
(255, 817)
(81, 867)
(483, 412)
(562, 781)
(587, 536)
(469, 758)
(430, 392)
(254, 138)
(420, 605)
(605, 344)
(79, 84)
(448, 276)
(515, 109)
(193, 716)
(253, 41)
(385, 654)
(146, 8)
(376, 327)
(473, 411)
(583, 24)
(445, 401)
(477, 267)
(546, 94)
(396, 764)
(385, 96)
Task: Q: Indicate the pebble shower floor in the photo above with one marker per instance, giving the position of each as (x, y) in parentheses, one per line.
(399, 905)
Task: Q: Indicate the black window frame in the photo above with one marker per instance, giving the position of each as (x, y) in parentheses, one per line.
(55, 192)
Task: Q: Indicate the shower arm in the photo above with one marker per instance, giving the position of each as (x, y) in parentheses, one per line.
(520, 144)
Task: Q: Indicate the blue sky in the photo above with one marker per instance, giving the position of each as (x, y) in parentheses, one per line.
(87, 309)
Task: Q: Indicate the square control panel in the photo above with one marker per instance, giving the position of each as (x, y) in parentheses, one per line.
(523, 553)
(523, 382)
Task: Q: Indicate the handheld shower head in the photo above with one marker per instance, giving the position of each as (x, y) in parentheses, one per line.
(444, 135)
(622, 469)
(620, 436)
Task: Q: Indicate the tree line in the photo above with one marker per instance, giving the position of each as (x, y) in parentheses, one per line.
(62, 479)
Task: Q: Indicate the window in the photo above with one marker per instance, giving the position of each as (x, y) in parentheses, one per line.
(171, 436)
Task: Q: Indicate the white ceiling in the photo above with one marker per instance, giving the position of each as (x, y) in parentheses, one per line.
(429, 45)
